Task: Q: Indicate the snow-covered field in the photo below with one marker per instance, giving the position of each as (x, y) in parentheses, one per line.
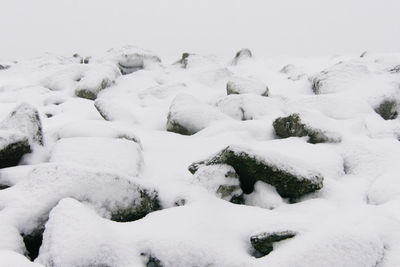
(124, 159)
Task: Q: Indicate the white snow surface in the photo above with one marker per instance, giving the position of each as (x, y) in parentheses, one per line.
(92, 162)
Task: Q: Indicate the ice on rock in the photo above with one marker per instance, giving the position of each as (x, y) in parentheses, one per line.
(187, 115)
(117, 154)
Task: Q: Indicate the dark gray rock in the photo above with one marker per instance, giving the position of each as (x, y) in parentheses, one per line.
(292, 126)
(148, 202)
(263, 243)
(11, 150)
(387, 109)
(252, 168)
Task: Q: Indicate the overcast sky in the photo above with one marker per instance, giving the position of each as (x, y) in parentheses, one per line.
(281, 27)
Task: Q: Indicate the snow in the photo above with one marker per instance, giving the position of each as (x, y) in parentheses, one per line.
(91, 164)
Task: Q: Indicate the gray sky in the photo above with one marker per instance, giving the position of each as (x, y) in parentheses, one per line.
(170, 27)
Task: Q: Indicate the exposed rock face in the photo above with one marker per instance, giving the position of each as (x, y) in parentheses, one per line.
(263, 243)
(239, 85)
(252, 168)
(241, 55)
(395, 69)
(387, 109)
(292, 126)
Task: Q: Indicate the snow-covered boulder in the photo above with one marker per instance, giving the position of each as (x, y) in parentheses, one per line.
(292, 126)
(240, 85)
(19, 132)
(221, 180)
(9, 258)
(95, 79)
(290, 181)
(249, 106)
(130, 58)
(113, 196)
(117, 154)
(187, 115)
(241, 56)
(339, 77)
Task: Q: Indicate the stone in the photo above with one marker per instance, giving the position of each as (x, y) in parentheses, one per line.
(241, 55)
(239, 85)
(387, 109)
(252, 168)
(263, 243)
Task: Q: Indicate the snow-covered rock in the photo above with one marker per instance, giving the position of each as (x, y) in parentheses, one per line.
(187, 115)
(240, 85)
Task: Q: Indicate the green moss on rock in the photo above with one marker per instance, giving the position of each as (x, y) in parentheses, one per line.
(263, 243)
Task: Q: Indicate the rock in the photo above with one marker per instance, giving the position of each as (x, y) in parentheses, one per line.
(151, 261)
(293, 72)
(33, 241)
(184, 61)
(239, 85)
(4, 67)
(395, 69)
(97, 78)
(12, 148)
(221, 180)
(242, 55)
(191, 60)
(148, 202)
(292, 126)
(263, 243)
(130, 58)
(387, 109)
(339, 77)
(188, 116)
(252, 168)
(26, 120)
(18, 133)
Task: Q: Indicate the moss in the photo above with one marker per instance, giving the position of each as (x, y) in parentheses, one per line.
(11, 154)
(263, 243)
(387, 110)
(148, 203)
(251, 169)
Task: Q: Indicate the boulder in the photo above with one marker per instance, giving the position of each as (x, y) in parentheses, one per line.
(387, 109)
(292, 126)
(239, 85)
(97, 78)
(12, 148)
(21, 130)
(263, 243)
(289, 182)
(221, 180)
(241, 56)
(188, 116)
